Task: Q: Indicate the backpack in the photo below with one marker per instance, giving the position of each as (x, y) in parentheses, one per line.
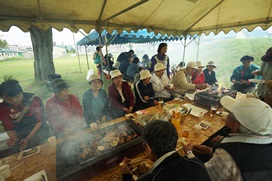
(97, 59)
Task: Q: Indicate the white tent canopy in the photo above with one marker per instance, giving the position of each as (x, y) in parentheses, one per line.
(172, 17)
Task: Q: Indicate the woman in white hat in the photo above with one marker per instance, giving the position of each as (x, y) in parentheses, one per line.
(210, 74)
(198, 76)
(161, 84)
(95, 101)
(144, 92)
(120, 94)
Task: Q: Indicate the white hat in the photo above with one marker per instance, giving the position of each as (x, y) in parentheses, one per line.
(115, 73)
(252, 113)
(192, 65)
(94, 77)
(212, 63)
(159, 66)
(199, 64)
(144, 74)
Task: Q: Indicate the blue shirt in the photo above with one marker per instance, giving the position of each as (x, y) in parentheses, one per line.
(241, 73)
(132, 69)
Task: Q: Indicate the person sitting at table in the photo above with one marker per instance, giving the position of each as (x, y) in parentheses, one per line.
(183, 80)
(22, 116)
(63, 110)
(198, 76)
(144, 92)
(120, 94)
(95, 101)
(241, 75)
(161, 83)
(246, 153)
(265, 72)
(210, 77)
(159, 140)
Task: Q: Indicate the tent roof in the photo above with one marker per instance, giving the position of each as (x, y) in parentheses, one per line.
(172, 17)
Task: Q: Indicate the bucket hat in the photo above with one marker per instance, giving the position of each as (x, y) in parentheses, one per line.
(159, 66)
(144, 74)
(247, 58)
(115, 73)
(199, 64)
(94, 77)
(211, 63)
(192, 65)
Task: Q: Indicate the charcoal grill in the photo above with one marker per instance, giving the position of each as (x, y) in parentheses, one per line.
(70, 166)
(213, 96)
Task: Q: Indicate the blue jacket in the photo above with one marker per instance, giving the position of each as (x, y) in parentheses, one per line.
(242, 74)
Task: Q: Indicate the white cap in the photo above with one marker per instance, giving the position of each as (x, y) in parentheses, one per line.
(115, 73)
(159, 66)
(144, 74)
(252, 113)
(192, 65)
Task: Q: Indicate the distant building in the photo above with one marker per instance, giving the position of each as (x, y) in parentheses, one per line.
(7, 54)
(59, 52)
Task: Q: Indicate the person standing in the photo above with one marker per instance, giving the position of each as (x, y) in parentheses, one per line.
(241, 75)
(120, 94)
(161, 57)
(95, 101)
(124, 56)
(210, 77)
(23, 116)
(266, 72)
(159, 141)
(99, 60)
(63, 110)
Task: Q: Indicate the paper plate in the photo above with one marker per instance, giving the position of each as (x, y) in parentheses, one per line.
(256, 81)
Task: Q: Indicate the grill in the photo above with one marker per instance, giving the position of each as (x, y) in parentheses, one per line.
(83, 157)
(213, 96)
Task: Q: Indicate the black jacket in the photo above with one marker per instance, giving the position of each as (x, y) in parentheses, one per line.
(176, 168)
(140, 91)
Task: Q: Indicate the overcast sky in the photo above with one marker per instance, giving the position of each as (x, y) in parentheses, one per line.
(16, 36)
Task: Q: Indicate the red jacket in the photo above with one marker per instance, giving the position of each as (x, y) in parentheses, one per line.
(61, 114)
(198, 79)
(115, 97)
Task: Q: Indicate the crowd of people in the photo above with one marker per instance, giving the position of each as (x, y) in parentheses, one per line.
(29, 123)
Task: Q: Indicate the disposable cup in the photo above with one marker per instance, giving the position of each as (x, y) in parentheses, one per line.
(52, 141)
(197, 129)
(224, 115)
(5, 170)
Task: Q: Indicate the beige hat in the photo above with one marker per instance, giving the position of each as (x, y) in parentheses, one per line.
(192, 65)
(212, 63)
(252, 113)
(159, 66)
(144, 74)
(115, 73)
(199, 64)
(94, 77)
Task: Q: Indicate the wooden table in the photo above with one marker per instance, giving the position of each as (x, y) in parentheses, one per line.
(46, 159)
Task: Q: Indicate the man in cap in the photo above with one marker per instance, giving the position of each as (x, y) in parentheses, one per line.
(183, 80)
(63, 110)
(246, 153)
(241, 75)
(265, 72)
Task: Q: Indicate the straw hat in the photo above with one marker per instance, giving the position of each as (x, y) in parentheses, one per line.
(94, 77)
(199, 64)
(211, 63)
(192, 65)
(58, 85)
(159, 66)
(144, 74)
(252, 113)
(115, 73)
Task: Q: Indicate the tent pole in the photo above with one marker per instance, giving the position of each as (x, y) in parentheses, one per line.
(76, 49)
(87, 57)
(101, 61)
(184, 47)
(197, 48)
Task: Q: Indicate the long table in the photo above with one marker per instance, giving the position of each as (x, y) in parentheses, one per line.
(46, 158)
